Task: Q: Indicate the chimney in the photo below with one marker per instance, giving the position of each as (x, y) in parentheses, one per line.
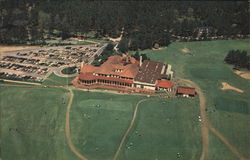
(127, 58)
(140, 61)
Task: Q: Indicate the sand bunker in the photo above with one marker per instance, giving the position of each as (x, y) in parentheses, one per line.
(185, 50)
(243, 74)
(15, 48)
(226, 86)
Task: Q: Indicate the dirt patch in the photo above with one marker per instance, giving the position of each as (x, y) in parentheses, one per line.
(185, 50)
(15, 48)
(118, 39)
(114, 39)
(226, 86)
(243, 74)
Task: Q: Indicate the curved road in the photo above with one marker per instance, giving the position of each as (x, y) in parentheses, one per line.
(59, 73)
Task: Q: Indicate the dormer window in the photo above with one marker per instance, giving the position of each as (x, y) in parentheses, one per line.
(118, 70)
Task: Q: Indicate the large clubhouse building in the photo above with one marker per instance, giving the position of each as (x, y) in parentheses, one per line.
(127, 74)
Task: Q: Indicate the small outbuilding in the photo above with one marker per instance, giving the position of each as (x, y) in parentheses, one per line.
(164, 85)
(186, 91)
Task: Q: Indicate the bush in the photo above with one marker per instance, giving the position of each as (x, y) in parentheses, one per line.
(69, 70)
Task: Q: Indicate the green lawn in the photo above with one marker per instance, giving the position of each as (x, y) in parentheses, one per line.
(163, 129)
(33, 119)
(98, 122)
(218, 150)
(228, 110)
(54, 80)
(32, 124)
(69, 70)
(167, 127)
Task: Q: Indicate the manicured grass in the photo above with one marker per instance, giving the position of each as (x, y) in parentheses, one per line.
(32, 124)
(98, 122)
(205, 66)
(54, 80)
(33, 119)
(163, 129)
(229, 105)
(218, 150)
(69, 70)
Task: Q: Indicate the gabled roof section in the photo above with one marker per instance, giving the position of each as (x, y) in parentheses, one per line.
(164, 84)
(115, 65)
(87, 68)
(186, 90)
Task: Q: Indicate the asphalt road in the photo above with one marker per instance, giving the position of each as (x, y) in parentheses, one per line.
(98, 52)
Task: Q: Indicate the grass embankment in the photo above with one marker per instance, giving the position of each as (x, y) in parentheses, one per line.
(54, 80)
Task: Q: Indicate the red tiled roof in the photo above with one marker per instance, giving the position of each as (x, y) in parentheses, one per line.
(88, 68)
(164, 84)
(186, 90)
(87, 76)
(112, 64)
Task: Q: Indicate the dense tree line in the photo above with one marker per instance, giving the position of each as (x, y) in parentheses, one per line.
(137, 56)
(145, 23)
(240, 59)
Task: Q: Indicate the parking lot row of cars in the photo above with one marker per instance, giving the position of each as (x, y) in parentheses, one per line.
(23, 68)
(22, 60)
(37, 64)
(68, 54)
(13, 76)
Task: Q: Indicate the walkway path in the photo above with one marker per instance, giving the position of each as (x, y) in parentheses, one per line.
(22, 82)
(206, 125)
(67, 128)
(128, 130)
(225, 141)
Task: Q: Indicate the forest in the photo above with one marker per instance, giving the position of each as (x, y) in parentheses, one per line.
(145, 23)
(238, 58)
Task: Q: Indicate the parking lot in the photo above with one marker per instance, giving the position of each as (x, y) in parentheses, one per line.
(38, 64)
